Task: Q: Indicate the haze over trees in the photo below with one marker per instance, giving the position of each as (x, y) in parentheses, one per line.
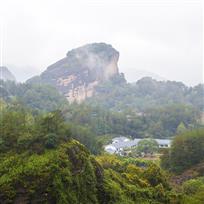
(54, 127)
(157, 119)
(187, 150)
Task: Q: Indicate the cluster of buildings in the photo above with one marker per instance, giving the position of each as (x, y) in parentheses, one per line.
(119, 144)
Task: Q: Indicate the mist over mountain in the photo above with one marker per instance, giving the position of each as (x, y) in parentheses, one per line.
(83, 68)
(6, 75)
(139, 74)
(91, 71)
(101, 102)
(41, 161)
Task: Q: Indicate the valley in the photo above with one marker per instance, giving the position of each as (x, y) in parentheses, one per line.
(80, 133)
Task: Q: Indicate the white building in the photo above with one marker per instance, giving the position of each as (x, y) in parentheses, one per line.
(120, 143)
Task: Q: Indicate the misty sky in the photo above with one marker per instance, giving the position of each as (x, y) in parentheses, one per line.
(159, 36)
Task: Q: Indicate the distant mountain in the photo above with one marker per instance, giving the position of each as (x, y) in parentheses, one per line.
(6, 75)
(22, 72)
(146, 93)
(83, 68)
(139, 74)
(91, 72)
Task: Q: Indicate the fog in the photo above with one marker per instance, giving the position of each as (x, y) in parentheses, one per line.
(159, 36)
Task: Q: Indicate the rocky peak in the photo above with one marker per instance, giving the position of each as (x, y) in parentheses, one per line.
(83, 68)
(6, 75)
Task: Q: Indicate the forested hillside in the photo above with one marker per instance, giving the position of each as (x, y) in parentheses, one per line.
(185, 161)
(36, 97)
(120, 108)
(116, 120)
(47, 164)
(146, 93)
(41, 162)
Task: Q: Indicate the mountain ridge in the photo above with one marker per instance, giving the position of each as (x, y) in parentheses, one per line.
(83, 68)
(6, 75)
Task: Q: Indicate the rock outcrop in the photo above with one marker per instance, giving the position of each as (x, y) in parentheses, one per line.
(83, 68)
(6, 75)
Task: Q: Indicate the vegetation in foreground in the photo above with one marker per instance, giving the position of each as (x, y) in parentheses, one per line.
(185, 159)
(41, 161)
(69, 174)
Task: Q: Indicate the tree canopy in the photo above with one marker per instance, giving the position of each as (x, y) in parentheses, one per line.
(186, 151)
(147, 146)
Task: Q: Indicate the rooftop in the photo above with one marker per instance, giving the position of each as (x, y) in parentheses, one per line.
(124, 142)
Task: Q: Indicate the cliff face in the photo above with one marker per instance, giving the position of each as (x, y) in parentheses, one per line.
(83, 68)
(6, 75)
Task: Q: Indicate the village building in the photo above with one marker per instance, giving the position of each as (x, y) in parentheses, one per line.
(121, 143)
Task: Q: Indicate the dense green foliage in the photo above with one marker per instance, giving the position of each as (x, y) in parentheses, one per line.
(146, 109)
(64, 175)
(156, 122)
(51, 151)
(41, 163)
(22, 129)
(38, 97)
(193, 191)
(69, 174)
(144, 114)
(147, 93)
(147, 146)
(186, 151)
(185, 158)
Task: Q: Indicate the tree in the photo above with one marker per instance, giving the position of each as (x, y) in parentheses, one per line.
(53, 122)
(51, 140)
(186, 151)
(181, 128)
(147, 146)
(13, 125)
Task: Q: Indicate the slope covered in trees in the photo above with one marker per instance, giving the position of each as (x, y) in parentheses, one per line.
(69, 174)
(41, 163)
(156, 122)
(146, 93)
(144, 115)
(185, 161)
(187, 150)
(25, 129)
(36, 97)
